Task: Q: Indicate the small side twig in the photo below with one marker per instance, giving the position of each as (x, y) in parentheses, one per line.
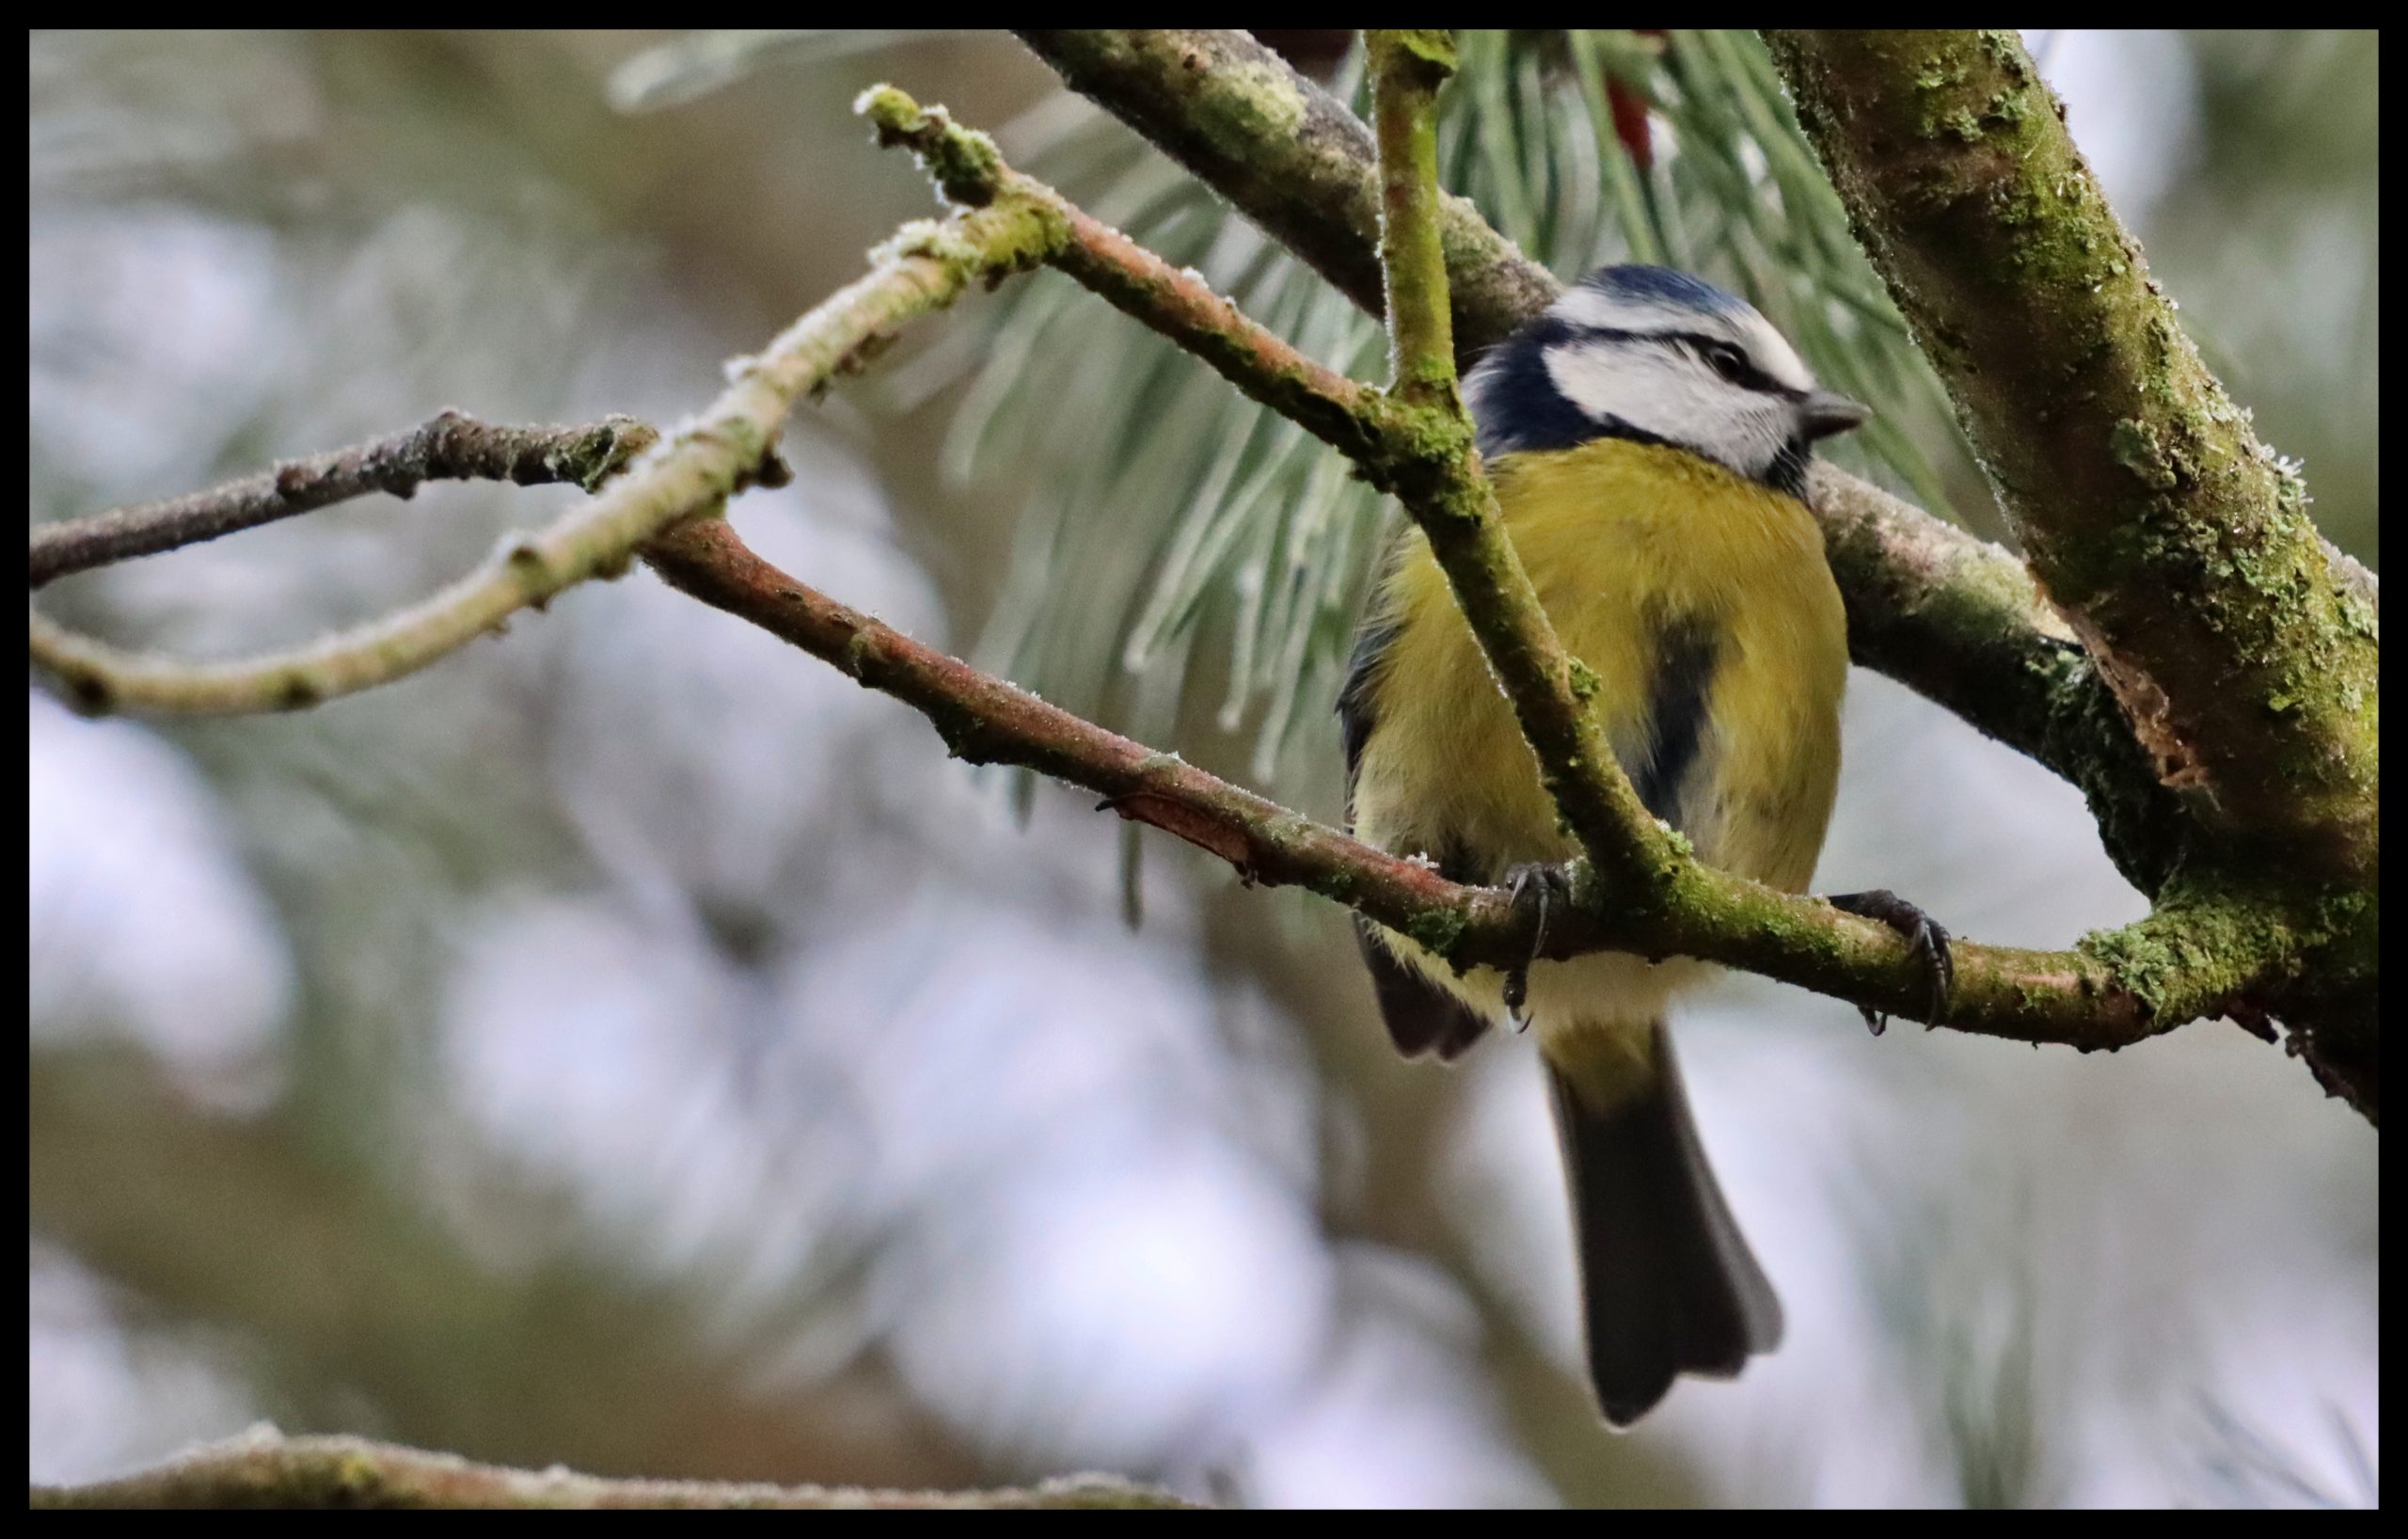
(450, 446)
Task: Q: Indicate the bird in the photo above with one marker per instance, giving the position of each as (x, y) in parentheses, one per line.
(1647, 436)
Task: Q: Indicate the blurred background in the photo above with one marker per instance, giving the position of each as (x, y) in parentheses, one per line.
(631, 1045)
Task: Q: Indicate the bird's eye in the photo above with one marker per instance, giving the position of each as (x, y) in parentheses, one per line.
(1729, 363)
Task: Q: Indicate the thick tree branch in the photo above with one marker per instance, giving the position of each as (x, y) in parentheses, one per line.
(2167, 533)
(923, 269)
(1297, 163)
(268, 1471)
(2246, 660)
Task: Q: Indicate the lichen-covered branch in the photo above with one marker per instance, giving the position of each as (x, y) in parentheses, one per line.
(1296, 162)
(690, 473)
(265, 1471)
(2164, 531)
(1449, 501)
(2245, 661)
(1447, 495)
(1408, 70)
(450, 446)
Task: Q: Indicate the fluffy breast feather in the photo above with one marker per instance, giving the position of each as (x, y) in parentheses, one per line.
(1627, 544)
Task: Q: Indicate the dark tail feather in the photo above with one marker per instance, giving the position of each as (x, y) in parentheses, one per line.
(1420, 1014)
(1668, 1284)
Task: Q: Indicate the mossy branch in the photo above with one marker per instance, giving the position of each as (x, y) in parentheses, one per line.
(2244, 658)
(2080, 997)
(2174, 541)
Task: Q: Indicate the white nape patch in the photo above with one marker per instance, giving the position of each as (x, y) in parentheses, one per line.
(1740, 326)
(1660, 389)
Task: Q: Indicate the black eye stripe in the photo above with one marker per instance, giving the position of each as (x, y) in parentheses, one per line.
(1702, 346)
(1730, 360)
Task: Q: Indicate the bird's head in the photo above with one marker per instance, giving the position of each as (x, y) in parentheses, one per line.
(1660, 356)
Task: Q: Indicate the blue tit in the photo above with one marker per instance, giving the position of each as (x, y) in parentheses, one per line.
(1648, 437)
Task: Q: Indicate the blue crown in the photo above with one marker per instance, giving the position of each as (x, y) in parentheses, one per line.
(1637, 281)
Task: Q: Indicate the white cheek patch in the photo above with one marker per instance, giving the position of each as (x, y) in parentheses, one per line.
(1650, 387)
(1662, 392)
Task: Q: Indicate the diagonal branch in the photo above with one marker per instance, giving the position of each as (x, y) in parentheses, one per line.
(2073, 997)
(1450, 499)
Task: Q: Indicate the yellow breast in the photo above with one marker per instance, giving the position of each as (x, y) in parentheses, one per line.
(1624, 543)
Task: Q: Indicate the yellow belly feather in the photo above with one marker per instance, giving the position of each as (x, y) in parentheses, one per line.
(1620, 539)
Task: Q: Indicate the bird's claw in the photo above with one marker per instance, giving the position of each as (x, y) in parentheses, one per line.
(1925, 937)
(1542, 884)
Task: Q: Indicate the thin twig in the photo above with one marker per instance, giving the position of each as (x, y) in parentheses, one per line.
(1454, 506)
(451, 446)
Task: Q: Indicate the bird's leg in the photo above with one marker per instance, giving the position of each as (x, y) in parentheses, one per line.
(1542, 886)
(1925, 938)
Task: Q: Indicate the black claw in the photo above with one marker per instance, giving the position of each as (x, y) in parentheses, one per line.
(1544, 885)
(1925, 936)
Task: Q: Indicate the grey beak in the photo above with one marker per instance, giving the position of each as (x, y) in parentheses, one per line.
(1825, 412)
